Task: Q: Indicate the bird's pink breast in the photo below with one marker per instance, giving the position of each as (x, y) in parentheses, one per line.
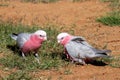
(64, 42)
(32, 44)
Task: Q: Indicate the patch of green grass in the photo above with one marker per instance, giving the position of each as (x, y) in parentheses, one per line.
(50, 53)
(115, 62)
(112, 19)
(19, 75)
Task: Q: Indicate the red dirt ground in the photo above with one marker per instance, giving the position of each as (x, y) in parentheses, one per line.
(79, 17)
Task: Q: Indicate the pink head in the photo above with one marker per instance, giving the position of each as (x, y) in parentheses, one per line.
(63, 38)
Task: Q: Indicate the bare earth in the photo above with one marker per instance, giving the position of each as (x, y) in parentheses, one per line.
(80, 17)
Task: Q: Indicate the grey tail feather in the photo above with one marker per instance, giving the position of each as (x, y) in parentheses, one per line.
(106, 51)
(97, 51)
(103, 53)
(14, 36)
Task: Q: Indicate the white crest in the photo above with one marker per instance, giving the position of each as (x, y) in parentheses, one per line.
(41, 33)
(61, 36)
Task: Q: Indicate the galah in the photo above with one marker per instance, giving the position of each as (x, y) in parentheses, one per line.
(28, 42)
(78, 50)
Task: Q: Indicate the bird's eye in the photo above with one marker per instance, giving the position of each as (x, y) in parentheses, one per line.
(62, 38)
(40, 35)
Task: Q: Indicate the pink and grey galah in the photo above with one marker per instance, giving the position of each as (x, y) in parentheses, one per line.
(78, 49)
(28, 42)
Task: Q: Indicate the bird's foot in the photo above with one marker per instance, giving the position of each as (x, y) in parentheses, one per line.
(37, 59)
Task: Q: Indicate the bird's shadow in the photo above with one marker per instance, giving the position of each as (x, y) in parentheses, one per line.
(97, 63)
(63, 57)
(15, 49)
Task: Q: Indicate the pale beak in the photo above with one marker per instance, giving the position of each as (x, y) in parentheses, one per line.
(58, 41)
(45, 38)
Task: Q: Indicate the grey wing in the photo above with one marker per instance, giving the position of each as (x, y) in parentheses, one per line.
(79, 39)
(22, 38)
(79, 50)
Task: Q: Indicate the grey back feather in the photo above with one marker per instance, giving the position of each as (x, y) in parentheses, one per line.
(22, 38)
(81, 40)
